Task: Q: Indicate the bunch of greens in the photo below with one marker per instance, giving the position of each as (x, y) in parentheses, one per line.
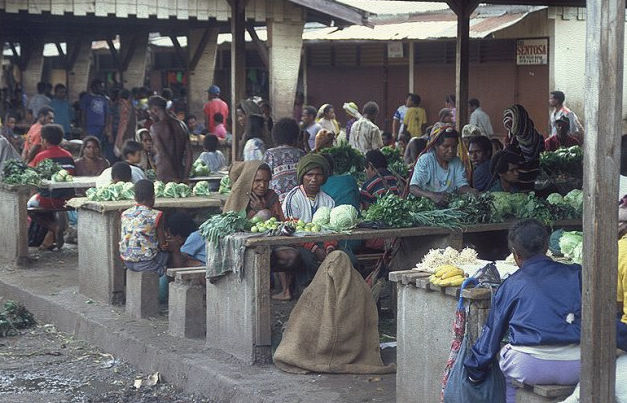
(507, 205)
(575, 199)
(395, 161)
(537, 208)
(346, 159)
(447, 218)
(47, 168)
(224, 224)
(112, 192)
(475, 209)
(201, 189)
(13, 317)
(199, 168)
(16, 172)
(393, 211)
(176, 190)
(561, 209)
(159, 189)
(225, 185)
(564, 161)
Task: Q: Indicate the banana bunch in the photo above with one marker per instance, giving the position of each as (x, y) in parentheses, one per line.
(447, 276)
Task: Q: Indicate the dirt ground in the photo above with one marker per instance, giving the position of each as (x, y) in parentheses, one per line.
(44, 365)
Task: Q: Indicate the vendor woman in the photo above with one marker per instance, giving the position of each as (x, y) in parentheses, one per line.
(438, 171)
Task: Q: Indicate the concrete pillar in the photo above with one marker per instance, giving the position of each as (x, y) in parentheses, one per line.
(31, 75)
(142, 294)
(285, 39)
(78, 76)
(134, 72)
(202, 47)
(187, 308)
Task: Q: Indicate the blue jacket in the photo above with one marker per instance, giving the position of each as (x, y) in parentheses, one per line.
(534, 304)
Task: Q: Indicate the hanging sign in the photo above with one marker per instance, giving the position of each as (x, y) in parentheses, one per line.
(395, 50)
(532, 51)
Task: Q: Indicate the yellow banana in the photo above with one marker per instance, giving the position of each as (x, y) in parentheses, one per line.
(444, 269)
(456, 281)
(452, 273)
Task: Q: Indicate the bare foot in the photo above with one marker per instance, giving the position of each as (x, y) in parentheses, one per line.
(282, 297)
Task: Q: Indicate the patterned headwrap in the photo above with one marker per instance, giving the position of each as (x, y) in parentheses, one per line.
(312, 161)
(352, 109)
(523, 139)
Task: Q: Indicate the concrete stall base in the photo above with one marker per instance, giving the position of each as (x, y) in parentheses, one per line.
(14, 239)
(49, 289)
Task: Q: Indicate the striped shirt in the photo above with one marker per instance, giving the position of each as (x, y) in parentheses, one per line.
(378, 186)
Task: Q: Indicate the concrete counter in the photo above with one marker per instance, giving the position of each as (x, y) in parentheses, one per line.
(14, 240)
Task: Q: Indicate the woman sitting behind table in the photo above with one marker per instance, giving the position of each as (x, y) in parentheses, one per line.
(142, 237)
(212, 157)
(438, 171)
(380, 180)
(504, 169)
(90, 161)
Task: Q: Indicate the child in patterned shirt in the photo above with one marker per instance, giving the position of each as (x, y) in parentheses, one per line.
(142, 239)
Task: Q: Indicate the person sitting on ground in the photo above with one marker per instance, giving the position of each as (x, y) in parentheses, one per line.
(380, 180)
(504, 172)
(132, 152)
(341, 186)
(51, 137)
(326, 119)
(90, 161)
(148, 159)
(186, 246)
(220, 129)
(539, 307)
(480, 154)
(365, 134)
(439, 172)
(562, 137)
(142, 237)
(120, 172)
(212, 157)
(195, 127)
(284, 158)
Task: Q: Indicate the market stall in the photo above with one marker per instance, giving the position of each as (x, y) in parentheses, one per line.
(14, 241)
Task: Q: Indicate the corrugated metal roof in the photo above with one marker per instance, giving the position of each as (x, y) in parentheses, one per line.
(382, 8)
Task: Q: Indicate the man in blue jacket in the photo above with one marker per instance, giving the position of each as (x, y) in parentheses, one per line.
(539, 308)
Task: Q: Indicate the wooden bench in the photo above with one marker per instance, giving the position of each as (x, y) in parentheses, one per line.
(541, 393)
(142, 294)
(187, 302)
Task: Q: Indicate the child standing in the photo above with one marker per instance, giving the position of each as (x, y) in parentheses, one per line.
(212, 157)
(142, 240)
(132, 152)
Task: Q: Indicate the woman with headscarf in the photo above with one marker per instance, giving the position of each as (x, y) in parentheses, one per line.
(352, 110)
(90, 161)
(525, 141)
(326, 119)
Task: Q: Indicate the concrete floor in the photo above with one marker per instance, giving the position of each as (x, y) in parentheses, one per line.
(49, 288)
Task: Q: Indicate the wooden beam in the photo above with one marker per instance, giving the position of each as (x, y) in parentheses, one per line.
(73, 50)
(129, 50)
(238, 68)
(180, 53)
(336, 10)
(114, 55)
(261, 47)
(605, 37)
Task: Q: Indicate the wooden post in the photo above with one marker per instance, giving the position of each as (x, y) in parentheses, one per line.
(412, 65)
(605, 24)
(238, 67)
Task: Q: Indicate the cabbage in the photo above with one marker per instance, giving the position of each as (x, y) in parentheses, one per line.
(507, 204)
(571, 244)
(322, 216)
(201, 189)
(555, 198)
(199, 168)
(575, 199)
(112, 192)
(159, 189)
(182, 190)
(170, 190)
(225, 185)
(343, 217)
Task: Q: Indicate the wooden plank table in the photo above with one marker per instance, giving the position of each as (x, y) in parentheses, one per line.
(100, 271)
(239, 309)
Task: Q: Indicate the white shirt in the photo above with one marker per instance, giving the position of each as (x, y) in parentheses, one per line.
(297, 205)
(481, 119)
(105, 177)
(576, 129)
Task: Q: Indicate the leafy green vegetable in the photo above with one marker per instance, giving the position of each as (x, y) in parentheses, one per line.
(346, 159)
(112, 192)
(575, 199)
(447, 218)
(16, 172)
(555, 198)
(476, 209)
(393, 211)
(564, 161)
(201, 189)
(571, 244)
(199, 168)
(13, 317)
(159, 189)
(395, 161)
(47, 168)
(343, 217)
(225, 185)
(221, 225)
(322, 216)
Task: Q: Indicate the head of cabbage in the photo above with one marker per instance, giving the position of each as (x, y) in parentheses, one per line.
(322, 216)
(343, 217)
(571, 244)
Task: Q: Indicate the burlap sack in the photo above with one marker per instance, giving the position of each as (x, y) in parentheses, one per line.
(334, 326)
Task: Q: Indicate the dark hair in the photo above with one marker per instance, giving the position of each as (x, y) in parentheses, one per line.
(167, 93)
(497, 143)
(386, 135)
(192, 116)
(157, 101)
(210, 143)
(59, 87)
(131, 147)
(415, 98)
(144, 190)
(559, 95)
(181, 224)
(53, 134)
(89, 139)
(448, 133)
(474, 102)
(96, 83)
(450, 99)
(371, 108)
(415, 147)
(406, 137)
(484, 144)
(41, 87)
(265, 167)
(285, 132)
(44, 111)
(444, 112)
(501, 160)
(310, 110)
(121, 171)
(376, 159)
(528, 238)
(125, 94)
(254, 127)
(218, 118)
(327, 108)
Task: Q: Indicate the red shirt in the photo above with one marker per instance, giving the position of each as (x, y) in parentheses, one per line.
(212, 107)
(553, 143)
(57, 197)
(33, 137)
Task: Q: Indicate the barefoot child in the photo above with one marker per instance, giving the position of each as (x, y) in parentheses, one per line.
(143, 242)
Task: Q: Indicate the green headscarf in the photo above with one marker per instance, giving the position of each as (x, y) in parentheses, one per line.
(312, 161)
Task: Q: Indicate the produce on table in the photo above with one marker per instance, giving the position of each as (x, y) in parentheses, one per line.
(16, 172)
(447, 218)
(560, 208)
(199, 168)
(566, 162)
(47, 168)
(112, 192)
(477, 209)
(447, 275)
(322, 216)
(62, 176)
(159, 189)
(176, 190)
(343, 217)
(575, 199)
(393, 211)
(395, 161)
(436, 258)
(225, 185)
(201, 189)
(507, 205)
(571, 245)
(221, 225)
(346, 159)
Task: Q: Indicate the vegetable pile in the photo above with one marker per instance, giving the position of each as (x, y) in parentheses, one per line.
(225, 185)
(395, 161)
(342, 218)
(112, 192)
(13, 317)
(199, 168)
(475, 209)
(394, 211)
(201, 189)
(16, 172)
(449, 256)
(563, 162)
(221, 225)
(172, 190)
(62, 176)
(47, 168)
(346, 159)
